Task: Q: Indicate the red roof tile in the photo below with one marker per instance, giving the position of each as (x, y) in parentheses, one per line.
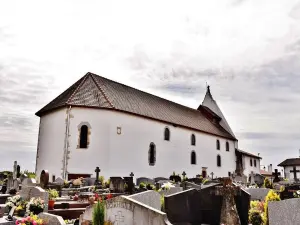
(98, 92)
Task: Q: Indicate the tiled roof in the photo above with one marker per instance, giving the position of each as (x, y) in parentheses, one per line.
(249, 154)
(290, 162)
(98, 92)
(266, 173)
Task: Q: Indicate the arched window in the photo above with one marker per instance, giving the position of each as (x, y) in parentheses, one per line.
(254, 162)
(167, 134)
(193, 139)
(250, 162)
(152, 154)
(227, 146)
(219, 161)
(193, 158)
(83, 136)
(218, 145)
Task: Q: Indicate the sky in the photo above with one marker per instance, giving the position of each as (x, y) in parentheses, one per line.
(247, 51)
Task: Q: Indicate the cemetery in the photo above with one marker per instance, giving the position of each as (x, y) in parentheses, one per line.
(162, 200)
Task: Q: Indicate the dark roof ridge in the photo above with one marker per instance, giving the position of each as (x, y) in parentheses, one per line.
(77, 88)
(101, 90)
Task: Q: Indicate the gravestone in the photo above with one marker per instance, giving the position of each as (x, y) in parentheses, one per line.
(284, 212)
(15, 170)
(35, 192)
(87, 216)
(150, 198)
(258, 193)
(124, 210)
(276, 178)
(229, 213)
(116, 184)
(44, 179)
(9, 184)
(295, 171)
(202, 206)
(160, 179)
(252, 181)
(144, 180)
(29, 182)
(51, 219)
(130, 185)
(97, 182)
(59, 181)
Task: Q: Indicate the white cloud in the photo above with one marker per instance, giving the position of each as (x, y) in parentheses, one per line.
(247, 50)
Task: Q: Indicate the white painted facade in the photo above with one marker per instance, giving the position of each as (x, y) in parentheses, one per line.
(120, 154)
(290, 175)
(248, 168)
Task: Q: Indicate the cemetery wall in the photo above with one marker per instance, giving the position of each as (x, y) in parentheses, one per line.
(113, 152)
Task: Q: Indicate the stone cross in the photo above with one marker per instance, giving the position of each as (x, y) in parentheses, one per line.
(97, 170)
(276, 179)
(252, 178)
(15, 170)
(295, 172)
(183, 174)
(212, 175)
(229, 214)
(131, 174)
(18, 171)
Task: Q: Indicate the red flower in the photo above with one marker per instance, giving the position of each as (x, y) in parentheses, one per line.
(109, 196)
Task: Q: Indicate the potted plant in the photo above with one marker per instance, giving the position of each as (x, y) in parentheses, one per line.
(35, 205)
(21, 209)
(13, 201)
(53, 194)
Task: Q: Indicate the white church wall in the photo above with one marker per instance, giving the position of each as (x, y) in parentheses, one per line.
(248, 167)
(118, 155)
(51, 142)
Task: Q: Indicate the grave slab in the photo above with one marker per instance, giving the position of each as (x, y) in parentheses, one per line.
(258, 193)
(284, 212)
(150, 198)
(52, 219)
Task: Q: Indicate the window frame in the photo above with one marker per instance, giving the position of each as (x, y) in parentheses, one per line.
(193, 140)
(167, 134)
(193, 156)
(152, 149)
(218, 146)
(219, 161)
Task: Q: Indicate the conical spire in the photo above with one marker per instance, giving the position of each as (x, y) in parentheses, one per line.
(210, 103)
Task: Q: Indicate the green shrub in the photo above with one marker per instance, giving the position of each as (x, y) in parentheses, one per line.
(162, 202)
(255, 217)
(150, 186)
(98, 213)
(102, 180)
(142, 185)
(53, 194)
(267, 183)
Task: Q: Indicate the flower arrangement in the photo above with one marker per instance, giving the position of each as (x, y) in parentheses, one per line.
(13, 201)
(35, 205)
(53, 194)
(77, 182)
(30, 220)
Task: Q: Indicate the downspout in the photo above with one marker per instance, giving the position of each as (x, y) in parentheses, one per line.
(66, 146)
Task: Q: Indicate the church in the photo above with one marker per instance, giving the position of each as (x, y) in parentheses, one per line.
(120, 129)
